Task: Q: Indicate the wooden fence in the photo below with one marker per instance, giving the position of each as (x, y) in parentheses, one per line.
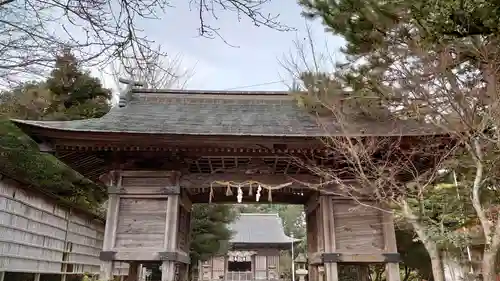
(44, 240)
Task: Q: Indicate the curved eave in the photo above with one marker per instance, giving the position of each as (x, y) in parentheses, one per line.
(98, 140)
(43, 130)
(281, 242)
(58, 126)
(47, 126)
(277, 245)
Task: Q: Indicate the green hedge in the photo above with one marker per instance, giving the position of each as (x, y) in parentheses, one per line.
(21, 159)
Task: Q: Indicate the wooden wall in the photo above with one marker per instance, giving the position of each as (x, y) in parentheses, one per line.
(265, 266)
(38, 235)
(141, 223)
(342, 231)
(144, 209)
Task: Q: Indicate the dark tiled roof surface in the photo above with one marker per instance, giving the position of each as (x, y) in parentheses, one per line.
(259, 229)
(249, 114)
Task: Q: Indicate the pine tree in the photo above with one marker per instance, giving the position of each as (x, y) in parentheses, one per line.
(431, 62)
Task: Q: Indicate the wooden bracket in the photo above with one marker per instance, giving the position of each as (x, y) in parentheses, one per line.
(115, 190)
(392, 257)
(331, 257)
(171, 190)
(175, 257)
(368, 258)
(107, 255)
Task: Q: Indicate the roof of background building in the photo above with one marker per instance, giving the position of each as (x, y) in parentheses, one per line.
(253, 228)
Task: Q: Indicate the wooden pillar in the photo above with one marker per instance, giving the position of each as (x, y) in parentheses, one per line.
(312, 215)
(2, 275)
(331, 268)
(363, 272)
(133, 271)
(106, 272)
(392, 269)
(37, 277)
(184, 233)
(170, 240)
(140, 271)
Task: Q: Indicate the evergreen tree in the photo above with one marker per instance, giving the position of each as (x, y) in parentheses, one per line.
(75, 91)
(209, 230)
(430, 62)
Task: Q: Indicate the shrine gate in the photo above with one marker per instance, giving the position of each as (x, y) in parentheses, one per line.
(160, 151)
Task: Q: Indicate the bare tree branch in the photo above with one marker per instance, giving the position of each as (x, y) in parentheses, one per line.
(97, 31)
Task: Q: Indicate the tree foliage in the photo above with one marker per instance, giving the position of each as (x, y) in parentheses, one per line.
(433, 63)
(71, 87)
(69, 93)
(209, 230)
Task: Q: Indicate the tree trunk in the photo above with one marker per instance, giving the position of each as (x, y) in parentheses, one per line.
(488, 269)
(430, 246)
(436, 262)
(453, 267)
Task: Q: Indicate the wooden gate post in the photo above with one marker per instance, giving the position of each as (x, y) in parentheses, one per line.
(312, 215)
(392, 268)
(106, 272)
(133, 271)
(321, 238)
(351, 232)
(184, 234)
(331, 268)
(170, 241)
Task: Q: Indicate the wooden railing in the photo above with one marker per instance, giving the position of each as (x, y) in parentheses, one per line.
(239, 276)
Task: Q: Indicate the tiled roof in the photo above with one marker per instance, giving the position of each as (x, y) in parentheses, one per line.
(254, 228)
(214, 113)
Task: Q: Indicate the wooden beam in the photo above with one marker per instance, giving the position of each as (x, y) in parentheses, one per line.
(94, 139)
(185, 202)
(152, 174)
(206, 180)
(312, 203)
(359, 257)
(146, 255)
(288, 198)
(46, 147)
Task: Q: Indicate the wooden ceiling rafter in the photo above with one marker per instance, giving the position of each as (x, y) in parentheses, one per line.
(211, 164)
(91, 159)
(194, 150)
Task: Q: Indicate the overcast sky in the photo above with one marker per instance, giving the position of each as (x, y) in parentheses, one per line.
(254, 61)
